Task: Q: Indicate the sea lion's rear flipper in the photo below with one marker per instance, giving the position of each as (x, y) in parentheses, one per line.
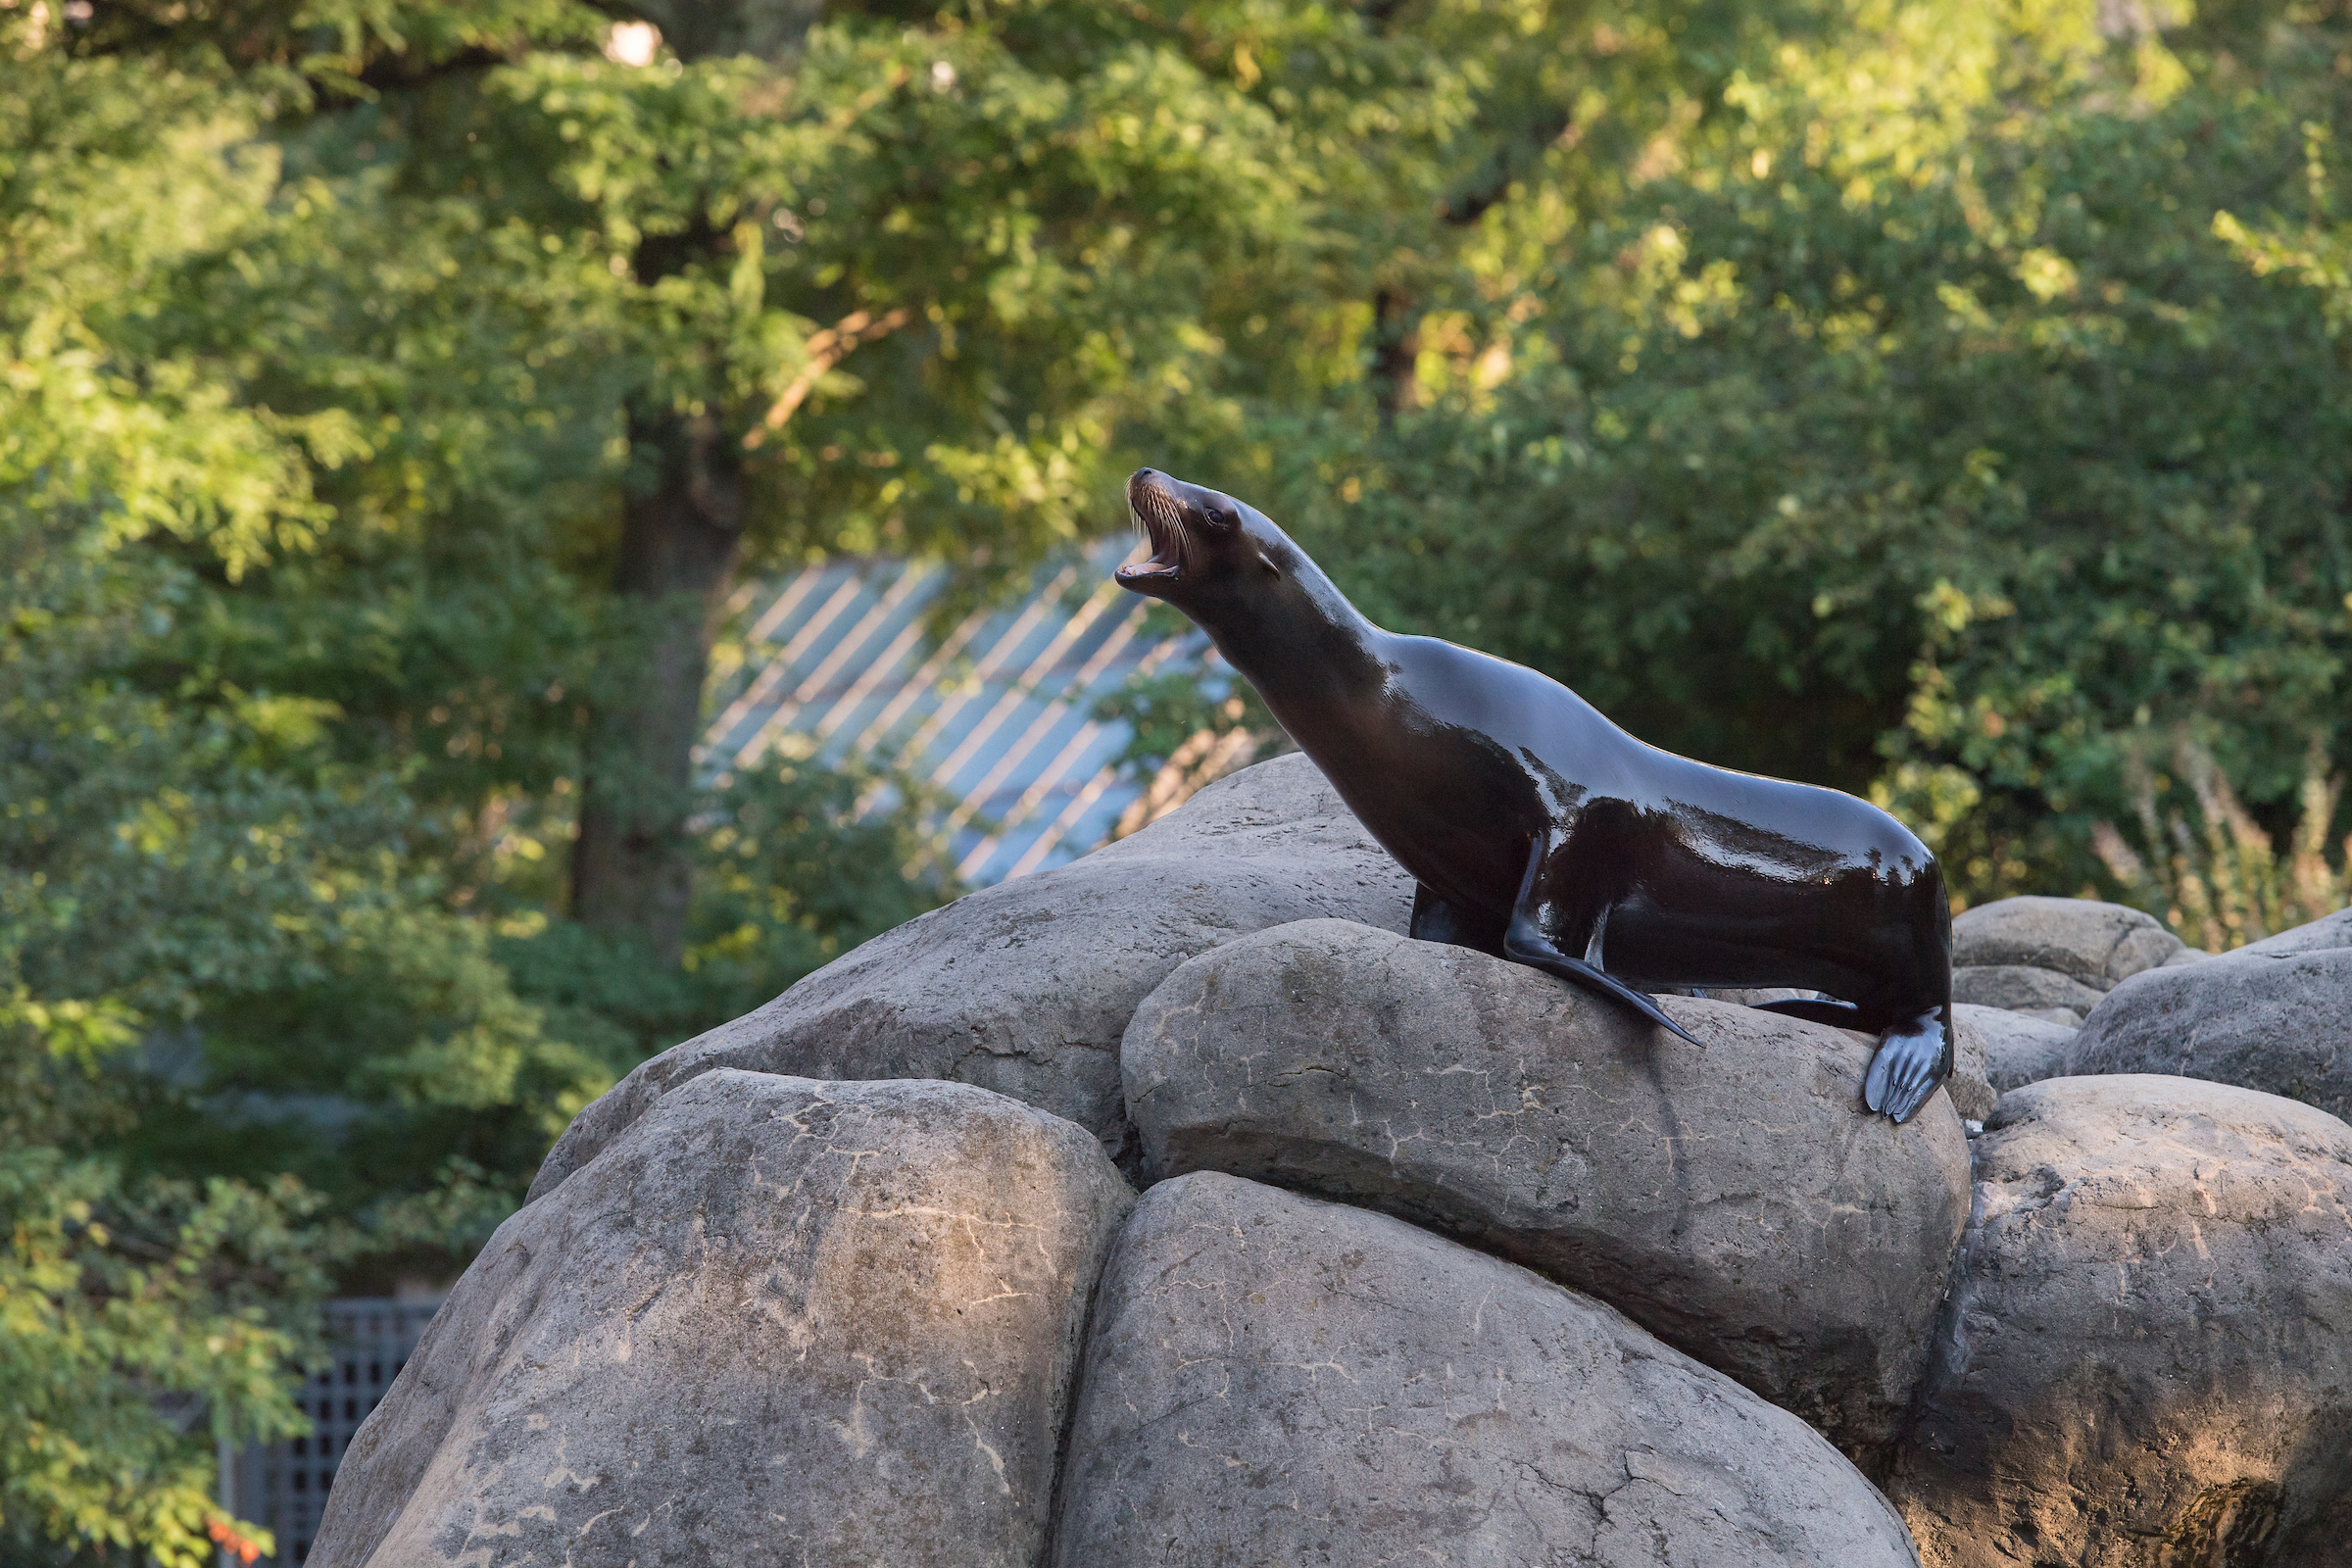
(1912, 1060)
(1436, 919)
(1552, 905)
(1815, 1009)
(1553, 961)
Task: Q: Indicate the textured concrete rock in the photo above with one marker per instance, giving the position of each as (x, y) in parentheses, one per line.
(2097, 944)
(1734, 1197)
(1970, 1087)
(1274, 1381)
(1024, 987)
(2148, 1359)
(2328, 932)
(776, 1322)
(2278, 1022)
(2021, 988)
(2015, 1049)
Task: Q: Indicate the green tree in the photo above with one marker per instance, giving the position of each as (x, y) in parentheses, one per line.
(1924, 440)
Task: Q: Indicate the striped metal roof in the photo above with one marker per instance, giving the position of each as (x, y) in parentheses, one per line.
(998, 714)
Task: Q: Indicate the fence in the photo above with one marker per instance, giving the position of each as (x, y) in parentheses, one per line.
(282, 1485)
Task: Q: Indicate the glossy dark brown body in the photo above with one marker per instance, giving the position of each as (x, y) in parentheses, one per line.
(1541, 832)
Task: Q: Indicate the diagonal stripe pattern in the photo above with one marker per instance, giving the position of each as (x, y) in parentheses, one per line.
(998, 713)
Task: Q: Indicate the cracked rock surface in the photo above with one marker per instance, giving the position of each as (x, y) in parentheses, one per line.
(2276, 1020)
(1274, 1381)
(2147, 1362)
(775, 1322)
(1732, 1198)
(1024, 987)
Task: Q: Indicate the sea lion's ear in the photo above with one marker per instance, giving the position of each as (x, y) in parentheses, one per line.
(1273, 568)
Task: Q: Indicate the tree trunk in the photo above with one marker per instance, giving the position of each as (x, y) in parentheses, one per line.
(1396, 352)
(632, 866)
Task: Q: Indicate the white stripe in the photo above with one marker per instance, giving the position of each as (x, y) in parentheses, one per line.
(1022, 686)
(851, 641)
(780, 665)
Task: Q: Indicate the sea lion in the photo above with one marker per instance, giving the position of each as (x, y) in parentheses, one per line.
(1541, 832)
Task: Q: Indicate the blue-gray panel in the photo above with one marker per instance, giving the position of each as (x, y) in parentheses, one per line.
(1000, 717)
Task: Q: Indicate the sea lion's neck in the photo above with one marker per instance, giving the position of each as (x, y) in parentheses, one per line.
(1312, 656)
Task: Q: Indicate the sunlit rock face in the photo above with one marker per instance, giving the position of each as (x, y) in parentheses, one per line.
(2278, 1019)
(1726, 1196)
(2148, 1357)
(2053, 958)
(776, 1321)
(1273, 1380)
(1025, 987)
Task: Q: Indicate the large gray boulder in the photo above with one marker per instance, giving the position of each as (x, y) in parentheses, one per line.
(2149, 1357)
(2013, 1048)
(1274, 1381)
(2097, 944)
(775, 1322)
(1734, 1197)
(2052, 959)
(2278, 1022)
(1024, 987)
(2329, 931)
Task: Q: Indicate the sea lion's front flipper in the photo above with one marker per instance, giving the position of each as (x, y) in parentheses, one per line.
(1912, 1060)
(1546, 906)
(1436, 919)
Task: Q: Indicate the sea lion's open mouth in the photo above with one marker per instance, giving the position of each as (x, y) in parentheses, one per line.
(1159, 516)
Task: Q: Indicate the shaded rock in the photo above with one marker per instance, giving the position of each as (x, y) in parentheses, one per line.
(1024, 987)
(1969, 1088)
(2097, 944)
(2148, 1357)
(2015, 1050)
(2280, 1023)
(2321, 935)
(2020, 988)
(777, 1321)
(1735, 1198)
(1274, 1381)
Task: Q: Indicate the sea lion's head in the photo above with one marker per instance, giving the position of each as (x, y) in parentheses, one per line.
(1202, 540)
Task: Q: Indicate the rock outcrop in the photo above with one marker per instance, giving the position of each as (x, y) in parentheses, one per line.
(1272, 1380)
(776, 1321)
(1730, 1197)
(2053, 958)
(813, 1288)
(2013, 1048)
(1025, 987)
(2321, 935)
(2279, 1021)
(2148, 1356)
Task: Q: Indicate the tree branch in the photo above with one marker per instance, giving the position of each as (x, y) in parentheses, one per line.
(827, 349)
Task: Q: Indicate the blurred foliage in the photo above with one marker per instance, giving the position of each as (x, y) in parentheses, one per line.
(2207, 868)
(1944, 402)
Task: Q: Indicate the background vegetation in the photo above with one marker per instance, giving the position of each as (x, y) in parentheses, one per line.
(1949, 401)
